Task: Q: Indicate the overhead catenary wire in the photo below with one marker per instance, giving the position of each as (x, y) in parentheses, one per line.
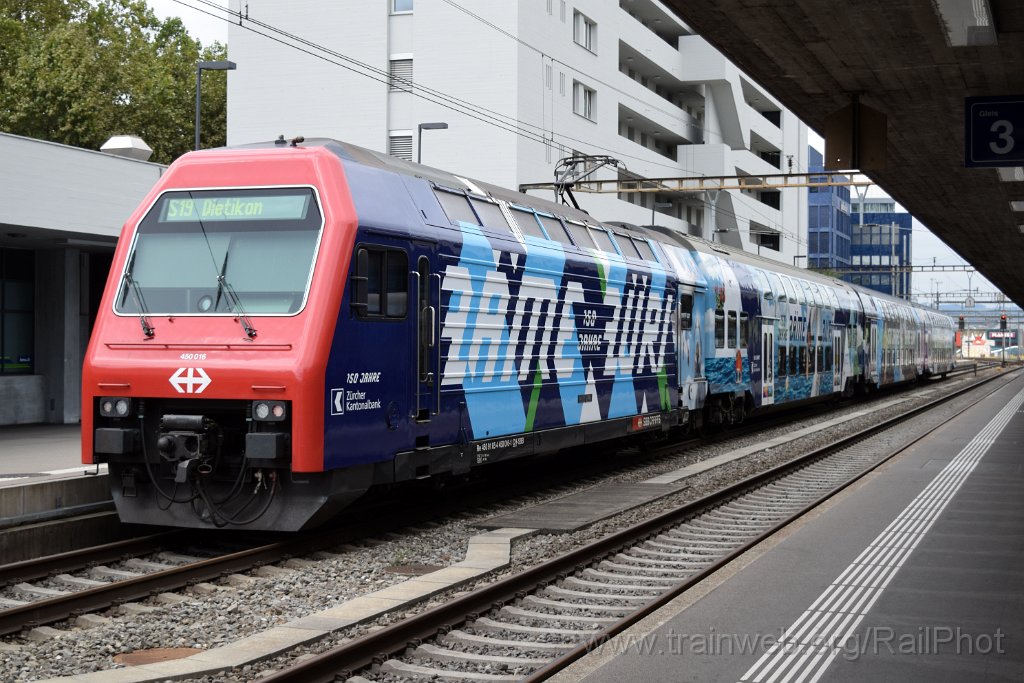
(457, 105)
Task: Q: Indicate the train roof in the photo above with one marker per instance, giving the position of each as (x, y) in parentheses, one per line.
(349, 152)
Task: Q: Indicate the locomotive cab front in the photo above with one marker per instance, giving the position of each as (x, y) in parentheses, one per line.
(202, 357)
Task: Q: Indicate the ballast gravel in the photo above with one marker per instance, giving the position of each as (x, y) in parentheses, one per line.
(207, 620)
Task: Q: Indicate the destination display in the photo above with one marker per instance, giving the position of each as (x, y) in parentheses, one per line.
(241, 208)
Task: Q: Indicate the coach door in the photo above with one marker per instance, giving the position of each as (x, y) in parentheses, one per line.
(427, 288)
(690, 314)
(767, 362)
(838, 356)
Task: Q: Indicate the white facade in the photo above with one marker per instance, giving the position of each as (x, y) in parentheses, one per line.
(521, 85)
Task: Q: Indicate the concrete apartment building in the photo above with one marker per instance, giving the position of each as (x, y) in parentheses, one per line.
(521, 85)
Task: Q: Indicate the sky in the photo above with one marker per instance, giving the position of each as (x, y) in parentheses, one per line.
(927, 248)
(203, 27)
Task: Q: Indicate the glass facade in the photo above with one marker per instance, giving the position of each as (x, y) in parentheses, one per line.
(17, 311)
(828, 222)
(881, 245)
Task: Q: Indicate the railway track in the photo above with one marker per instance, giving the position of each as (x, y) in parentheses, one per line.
(53, 588)
(533, 624)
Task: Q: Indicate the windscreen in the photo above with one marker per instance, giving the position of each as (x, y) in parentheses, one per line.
(215, 251)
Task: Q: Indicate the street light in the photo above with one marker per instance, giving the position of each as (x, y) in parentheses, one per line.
(658, 205)
(221, 65)
(437, 125)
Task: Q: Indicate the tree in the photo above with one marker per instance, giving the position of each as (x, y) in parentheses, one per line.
(78, 72)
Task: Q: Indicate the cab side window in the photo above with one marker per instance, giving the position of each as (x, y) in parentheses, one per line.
(380, 283)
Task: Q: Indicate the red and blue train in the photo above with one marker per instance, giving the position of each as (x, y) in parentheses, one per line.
(287, 325)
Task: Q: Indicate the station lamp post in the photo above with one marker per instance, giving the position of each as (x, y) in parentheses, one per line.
(437, 125)
(221, 65)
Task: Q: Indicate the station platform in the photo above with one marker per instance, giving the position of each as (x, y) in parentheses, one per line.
(42, 481)
(913, 574)
(40, 450)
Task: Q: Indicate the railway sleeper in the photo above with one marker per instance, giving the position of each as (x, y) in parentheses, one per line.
(629, 575)
(682, 541)
(695, 550)
(104, 572)
(759, 509)
(463, 638)
(177, 558)
(605, 586)
(494, 626)
(557, 591)
(416, 672)
(78, 581)
(564, 606)
(39, 591)
(146, 566)
(443, 654)
(722, 529)
(684, 562)
(678, 571)
(556, 618)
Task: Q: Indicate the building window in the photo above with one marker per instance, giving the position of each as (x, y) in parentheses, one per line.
(400, 75)
(17, 306)
(400, 6)
(584, 31)
(583, 100)
(400, 146)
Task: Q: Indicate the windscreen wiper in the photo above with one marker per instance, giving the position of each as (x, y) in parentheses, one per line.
(147, 329)
(224, 287)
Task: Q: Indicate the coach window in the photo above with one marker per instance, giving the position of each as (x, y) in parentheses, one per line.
(719, 329)
(780, 292)
(731, 330)
(790, 289)
(554, 228)
(456, 205)
(580, 234)
(603, 239)
(766, 288)
(783, 363)
(793, 359)
(527, 222)
(387, 282)
(627, 247)
(644, 247)
(744, 329)
(490, 214)
(686, 311)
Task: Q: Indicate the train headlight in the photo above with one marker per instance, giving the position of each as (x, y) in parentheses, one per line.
(269, 411)
(114, 406)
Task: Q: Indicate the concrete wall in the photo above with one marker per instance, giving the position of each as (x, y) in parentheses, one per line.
(21, 399)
